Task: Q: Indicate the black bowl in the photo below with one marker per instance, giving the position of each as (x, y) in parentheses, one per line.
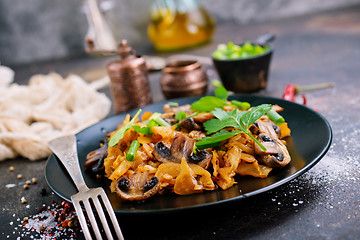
(244, 75)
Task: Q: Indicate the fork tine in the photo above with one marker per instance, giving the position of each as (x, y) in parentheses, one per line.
(102, 217)
(111, 213)
(82, 220)
(92, 219)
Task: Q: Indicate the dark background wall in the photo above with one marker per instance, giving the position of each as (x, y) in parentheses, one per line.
(38, 30)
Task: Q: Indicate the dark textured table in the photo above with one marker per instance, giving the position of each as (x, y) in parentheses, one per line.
(324, 203)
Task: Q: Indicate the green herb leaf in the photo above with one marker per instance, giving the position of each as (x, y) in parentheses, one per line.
(254, 114)
(143, 130)
(221, 93)
(207, 104)
(180, 115)
(238, 119)
(223, 119)
(152, 123)
(215, 140)
(120, 133)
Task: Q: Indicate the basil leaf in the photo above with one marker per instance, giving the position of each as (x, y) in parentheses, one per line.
(143, 130)
(223, 119)
(180, 115)
(254, 114)
(207, 104)
(221, 93)
(215, 140)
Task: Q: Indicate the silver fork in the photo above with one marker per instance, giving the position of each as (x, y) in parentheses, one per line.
(65, 149)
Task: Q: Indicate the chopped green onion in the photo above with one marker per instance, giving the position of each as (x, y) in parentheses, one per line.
(241, 105)
(232, 51)
(130, 156)
(173, 104)
(162, 122)
(120, 133)
(275, 117)
(157, 118)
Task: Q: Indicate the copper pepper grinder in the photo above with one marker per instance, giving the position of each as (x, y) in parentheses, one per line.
(129, 81)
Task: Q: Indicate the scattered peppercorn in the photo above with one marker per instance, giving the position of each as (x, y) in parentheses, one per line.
(54, 221)
(71, 224)
(33, 180)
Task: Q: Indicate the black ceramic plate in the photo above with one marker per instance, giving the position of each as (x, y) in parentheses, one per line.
(310, 139)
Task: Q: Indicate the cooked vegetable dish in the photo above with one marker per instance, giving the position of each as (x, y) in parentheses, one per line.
(191, 148)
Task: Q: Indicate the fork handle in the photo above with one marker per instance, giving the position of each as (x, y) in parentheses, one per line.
(65, 149)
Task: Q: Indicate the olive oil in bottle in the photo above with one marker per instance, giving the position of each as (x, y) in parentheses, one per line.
(179, 24)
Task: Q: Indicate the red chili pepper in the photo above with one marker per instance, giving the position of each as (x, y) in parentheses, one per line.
(289, 92)
(304, 99)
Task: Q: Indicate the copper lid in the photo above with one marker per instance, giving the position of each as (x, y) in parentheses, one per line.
(128, 58)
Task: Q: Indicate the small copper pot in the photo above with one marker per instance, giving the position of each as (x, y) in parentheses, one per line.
(183, 79)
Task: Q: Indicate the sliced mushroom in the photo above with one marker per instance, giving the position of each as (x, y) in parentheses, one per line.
(181, 147)
(95, 159)
(169, 118)
(203, 117)
(189, 124)
(138, 187)
(276, 154)
(202, 158)
(266, 127)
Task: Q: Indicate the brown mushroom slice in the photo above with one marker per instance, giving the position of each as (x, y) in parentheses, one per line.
(203, 117)
(276, 154)
(162, 153)
(169, 118)
(138, 187)
(181, 147)
(190, 124)
(277, 108)
(95, 159)
(202, 158)
(267, 127)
